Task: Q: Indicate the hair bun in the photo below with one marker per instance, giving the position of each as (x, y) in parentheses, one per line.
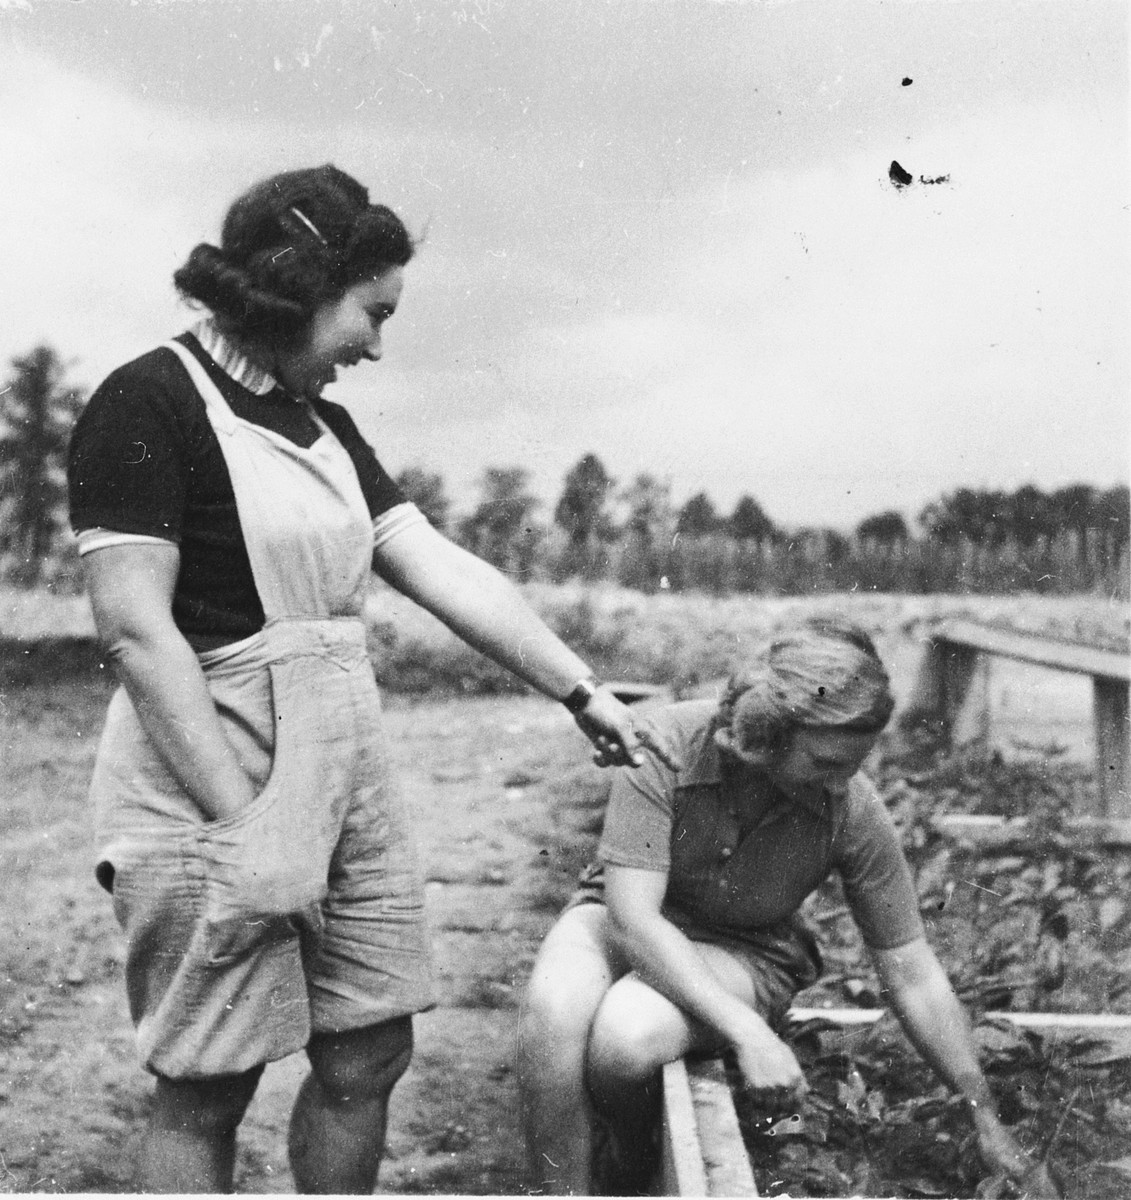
(289, 244)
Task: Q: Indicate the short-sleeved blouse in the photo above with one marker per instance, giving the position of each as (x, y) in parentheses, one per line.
(145, 462)
(740, 855)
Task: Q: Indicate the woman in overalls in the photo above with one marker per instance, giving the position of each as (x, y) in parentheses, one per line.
(248, 829)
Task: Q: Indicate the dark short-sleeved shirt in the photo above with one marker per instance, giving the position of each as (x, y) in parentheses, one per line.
(741, 856)
(145, 460)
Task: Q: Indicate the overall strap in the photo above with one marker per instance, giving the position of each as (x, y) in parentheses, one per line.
(302, 513)
(223, 419)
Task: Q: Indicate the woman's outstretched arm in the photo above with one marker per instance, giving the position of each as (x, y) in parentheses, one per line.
(484, 608)
(936, 1023)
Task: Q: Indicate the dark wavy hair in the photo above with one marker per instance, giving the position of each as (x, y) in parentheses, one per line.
(824, 673)
(289, 244)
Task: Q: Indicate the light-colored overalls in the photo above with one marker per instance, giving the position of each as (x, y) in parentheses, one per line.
(304, 911)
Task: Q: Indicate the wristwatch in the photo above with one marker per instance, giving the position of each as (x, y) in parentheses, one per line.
(583, 691)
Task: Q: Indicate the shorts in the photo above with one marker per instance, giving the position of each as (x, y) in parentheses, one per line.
(301, 914)
(780, 960)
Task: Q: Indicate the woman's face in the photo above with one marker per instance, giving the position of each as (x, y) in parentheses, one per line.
(342, 332)
(817, 758)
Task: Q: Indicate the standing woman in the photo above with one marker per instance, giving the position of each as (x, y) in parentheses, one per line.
(255, 846)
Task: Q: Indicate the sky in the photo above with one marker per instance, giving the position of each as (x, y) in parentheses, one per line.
(661, 231)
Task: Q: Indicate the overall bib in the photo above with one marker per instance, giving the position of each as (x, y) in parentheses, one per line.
(304, 911)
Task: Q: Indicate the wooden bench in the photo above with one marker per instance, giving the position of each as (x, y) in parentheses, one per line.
(953, 686)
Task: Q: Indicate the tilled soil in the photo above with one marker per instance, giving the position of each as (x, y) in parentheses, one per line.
(72, 1098)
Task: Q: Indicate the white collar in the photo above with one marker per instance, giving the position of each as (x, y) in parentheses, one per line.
(232, 361)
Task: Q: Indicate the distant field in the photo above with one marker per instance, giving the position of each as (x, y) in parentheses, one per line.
(499, 783)
(683, 640)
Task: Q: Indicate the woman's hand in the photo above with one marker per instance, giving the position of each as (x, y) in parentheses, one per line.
(619, 736)
(1002, 1154)
(771, 1070)
(476, 602)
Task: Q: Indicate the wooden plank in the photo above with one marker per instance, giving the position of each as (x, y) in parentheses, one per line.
(725, 1160)
(927, 694)
(1098, 1023)
(683, 1173)
(1113, 834)
(953, 686)
(1113, 742)
(967, 697)
(1042, 651)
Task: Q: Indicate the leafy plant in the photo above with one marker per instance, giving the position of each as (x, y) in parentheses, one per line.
(877, 1123)
(1035, 918)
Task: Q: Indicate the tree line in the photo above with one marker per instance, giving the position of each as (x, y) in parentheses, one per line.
(1073, 538)
(1070, 539)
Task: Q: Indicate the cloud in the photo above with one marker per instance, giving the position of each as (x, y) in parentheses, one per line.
(95, 221)
(818, 335)
(691, 263)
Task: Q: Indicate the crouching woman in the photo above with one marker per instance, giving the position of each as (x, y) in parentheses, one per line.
(686, 935)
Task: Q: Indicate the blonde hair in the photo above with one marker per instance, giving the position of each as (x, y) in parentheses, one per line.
(824, 674)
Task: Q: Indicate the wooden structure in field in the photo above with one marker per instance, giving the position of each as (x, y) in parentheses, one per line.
(703, 1150)
(953, 686)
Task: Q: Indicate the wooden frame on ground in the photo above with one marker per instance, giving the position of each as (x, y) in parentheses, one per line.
(703, 1150)
(953, 687)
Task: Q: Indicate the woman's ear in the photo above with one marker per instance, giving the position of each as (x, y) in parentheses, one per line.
(724, 740)
(762, 740)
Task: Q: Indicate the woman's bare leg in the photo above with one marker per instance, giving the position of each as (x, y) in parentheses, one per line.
(337, 1133)
(190, 1143)
(574, 970)
(635, 1032)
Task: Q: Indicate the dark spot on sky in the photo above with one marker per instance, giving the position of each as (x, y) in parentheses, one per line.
(898, 175)
(906, 81)
(820, 691)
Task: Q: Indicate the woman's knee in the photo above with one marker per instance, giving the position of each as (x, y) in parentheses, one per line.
(555, 1008)
(362, 1063)
(631, 1038)
(622, 1053)
(566, 986)
(212, 1106)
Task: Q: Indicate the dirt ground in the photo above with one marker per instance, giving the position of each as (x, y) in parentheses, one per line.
(71, 1095)
(482, 775)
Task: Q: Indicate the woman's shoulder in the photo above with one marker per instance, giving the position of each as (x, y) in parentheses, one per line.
(686, 726)
(688, 717)
(681, 720)
(156, 363)
(862, 793)
(155, 381)
(864, 812)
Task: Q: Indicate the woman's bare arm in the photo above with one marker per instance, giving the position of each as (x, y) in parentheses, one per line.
(668, 960)
(484, 608)
(936, 1023)
(131, 593)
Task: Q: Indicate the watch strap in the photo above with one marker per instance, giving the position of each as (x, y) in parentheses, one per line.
(583, 691)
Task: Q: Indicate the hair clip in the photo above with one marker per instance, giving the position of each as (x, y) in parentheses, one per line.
(309, 224)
